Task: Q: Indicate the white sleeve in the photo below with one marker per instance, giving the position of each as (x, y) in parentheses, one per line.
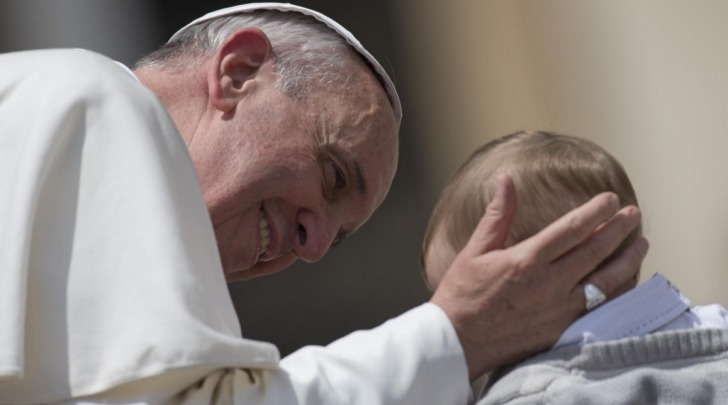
(415, 358)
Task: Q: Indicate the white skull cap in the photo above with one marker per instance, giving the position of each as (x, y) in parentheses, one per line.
(243, 8)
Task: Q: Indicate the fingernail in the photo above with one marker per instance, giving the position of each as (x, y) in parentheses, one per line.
(614, 201)
(635, 213)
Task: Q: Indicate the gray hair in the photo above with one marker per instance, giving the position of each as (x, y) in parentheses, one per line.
(307, 53)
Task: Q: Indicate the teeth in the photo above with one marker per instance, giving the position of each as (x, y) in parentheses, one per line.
(264, 233)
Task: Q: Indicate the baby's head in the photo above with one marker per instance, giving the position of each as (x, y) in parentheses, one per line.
(553, 174)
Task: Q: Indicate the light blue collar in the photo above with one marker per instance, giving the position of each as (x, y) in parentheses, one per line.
(637, 312)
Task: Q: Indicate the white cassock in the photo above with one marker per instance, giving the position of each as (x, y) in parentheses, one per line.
(111, 289)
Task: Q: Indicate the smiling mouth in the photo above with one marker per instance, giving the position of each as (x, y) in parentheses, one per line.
(264, 231)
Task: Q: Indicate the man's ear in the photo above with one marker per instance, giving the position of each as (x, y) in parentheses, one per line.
(235, 64)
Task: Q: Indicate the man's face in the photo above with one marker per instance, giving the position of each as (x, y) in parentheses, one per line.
(285, 180)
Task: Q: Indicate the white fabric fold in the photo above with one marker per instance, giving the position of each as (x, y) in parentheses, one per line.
(102, 216)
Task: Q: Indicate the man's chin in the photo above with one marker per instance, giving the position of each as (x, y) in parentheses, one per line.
(241, 275)
(260, 269)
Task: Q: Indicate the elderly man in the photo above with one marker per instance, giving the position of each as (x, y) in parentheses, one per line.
(258, 135)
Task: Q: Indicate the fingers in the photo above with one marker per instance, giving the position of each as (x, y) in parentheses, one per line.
(597, 247)
(619, 275)
(492, 230)
(573, 228)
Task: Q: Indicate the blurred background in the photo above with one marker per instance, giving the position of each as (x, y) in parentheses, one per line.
(646, 79)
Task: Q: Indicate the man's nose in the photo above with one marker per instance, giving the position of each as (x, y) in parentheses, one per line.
(315, 235)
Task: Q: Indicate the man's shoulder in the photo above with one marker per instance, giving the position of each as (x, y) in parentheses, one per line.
(75, 70)
(63, 86)
(80, 61)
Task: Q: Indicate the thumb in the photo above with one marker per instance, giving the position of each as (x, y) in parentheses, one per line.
(492, 230)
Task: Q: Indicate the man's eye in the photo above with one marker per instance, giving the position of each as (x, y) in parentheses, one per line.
(337, 176)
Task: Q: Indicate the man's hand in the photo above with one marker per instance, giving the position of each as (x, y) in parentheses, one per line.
(507, 304)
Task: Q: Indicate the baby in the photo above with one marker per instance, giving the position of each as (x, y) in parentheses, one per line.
(648, 345)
